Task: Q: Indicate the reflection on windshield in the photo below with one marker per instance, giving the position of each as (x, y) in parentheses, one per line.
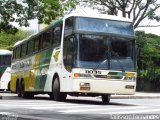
(121, 47)
(104, 26)
(121, 54)
(105, 52)
(93, 48)
(93, 51)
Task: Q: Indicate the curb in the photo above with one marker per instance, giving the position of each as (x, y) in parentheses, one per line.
(134, 97)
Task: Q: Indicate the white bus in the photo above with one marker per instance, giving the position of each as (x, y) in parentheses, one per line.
(5, 69)
(78, 55)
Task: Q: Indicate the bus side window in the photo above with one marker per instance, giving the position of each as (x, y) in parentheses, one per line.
(18, 52)
(40, 42)
(68, 30)
(56, 35)
(27, 48)
(68, 52)
(13, 55)
(24, 50)
(46, 39)
(30, 47)
(36, 45)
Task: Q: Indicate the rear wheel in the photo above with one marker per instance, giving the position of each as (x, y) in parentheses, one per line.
(18, 89)
(106, 98)
(25, 94)
(56, 94)
(9, 88)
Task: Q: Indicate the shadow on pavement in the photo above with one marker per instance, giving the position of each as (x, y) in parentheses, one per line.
(75, 100)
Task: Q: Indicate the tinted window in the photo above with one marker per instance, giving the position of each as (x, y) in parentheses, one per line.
(36, 45)
(68, 27)
(104, 26)
(5, 60)
(46, 39)
(121, 48)
(24, 49)
(14, 54)
(56, 35)
(68, 52)
(30, 47)
(18, 52)
(93, 48)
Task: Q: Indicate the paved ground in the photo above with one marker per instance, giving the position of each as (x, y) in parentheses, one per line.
(137, 95)
(75, 108)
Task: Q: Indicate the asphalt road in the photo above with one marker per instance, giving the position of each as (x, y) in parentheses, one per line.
(76, 108)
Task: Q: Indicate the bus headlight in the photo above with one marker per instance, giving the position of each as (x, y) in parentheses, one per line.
(80, 75)
(130, 78)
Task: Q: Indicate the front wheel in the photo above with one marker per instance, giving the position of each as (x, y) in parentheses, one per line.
(57, 95)
(106, 98)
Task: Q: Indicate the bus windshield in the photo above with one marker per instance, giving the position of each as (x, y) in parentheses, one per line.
(93, 50)
(104, 26)
(108, 52)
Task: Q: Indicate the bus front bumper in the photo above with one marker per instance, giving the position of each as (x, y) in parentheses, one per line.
(104, 86)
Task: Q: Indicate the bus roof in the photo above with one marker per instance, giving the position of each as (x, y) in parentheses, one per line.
(99, 16)
(21, 41)
(5, 52)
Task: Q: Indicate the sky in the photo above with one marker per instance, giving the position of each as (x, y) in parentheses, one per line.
(155, 30)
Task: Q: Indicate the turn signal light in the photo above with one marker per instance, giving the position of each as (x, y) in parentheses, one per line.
(76, 75)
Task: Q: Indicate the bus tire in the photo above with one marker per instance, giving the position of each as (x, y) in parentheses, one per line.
(106, 98)
(18, 89)
(24, 94)
(57, 95)
(9, 87)
(51, 95)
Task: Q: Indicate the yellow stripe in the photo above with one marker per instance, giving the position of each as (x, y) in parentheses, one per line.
(129, 74)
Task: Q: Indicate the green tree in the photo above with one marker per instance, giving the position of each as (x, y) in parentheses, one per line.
(149, 45)
(21, 11)
(138, 10)
(148, 62)
(8, 40)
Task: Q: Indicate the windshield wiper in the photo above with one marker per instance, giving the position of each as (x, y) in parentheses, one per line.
(105, 59)
(106, 56)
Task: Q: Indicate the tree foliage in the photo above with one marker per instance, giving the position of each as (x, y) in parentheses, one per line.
(149, 45)
(8, 40)
(137, 10)
(21, 11)
(148, 62)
